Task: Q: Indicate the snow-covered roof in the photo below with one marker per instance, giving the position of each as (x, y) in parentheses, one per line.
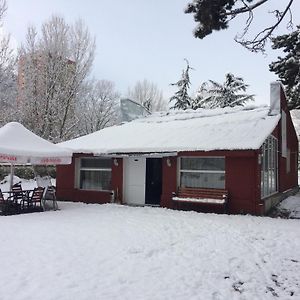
(295, 114)
(191, 130)
(20, 145)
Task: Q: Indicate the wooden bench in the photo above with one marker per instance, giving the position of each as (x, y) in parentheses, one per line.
(217, 197)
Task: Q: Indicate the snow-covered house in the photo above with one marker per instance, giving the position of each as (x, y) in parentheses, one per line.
(248, 153)
(295, 114)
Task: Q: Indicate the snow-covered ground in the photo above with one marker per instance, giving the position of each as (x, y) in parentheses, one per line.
(290, 207)
(119, 252)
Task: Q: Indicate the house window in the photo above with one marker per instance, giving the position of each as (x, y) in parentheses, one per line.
(95, 174)
(269, 167)
(202, 172)
(283, 135)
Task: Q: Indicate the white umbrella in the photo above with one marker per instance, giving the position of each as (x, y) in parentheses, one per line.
(19, 145)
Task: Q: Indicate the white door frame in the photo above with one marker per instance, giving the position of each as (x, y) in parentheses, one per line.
(134, 180)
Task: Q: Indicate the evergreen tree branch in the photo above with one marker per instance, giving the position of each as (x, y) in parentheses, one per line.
(213, 15)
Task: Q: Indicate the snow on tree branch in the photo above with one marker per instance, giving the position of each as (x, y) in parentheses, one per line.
(228, 94)
(147, 94)
(53, 67)
(214, 15)
(288, 67)
(181, 99)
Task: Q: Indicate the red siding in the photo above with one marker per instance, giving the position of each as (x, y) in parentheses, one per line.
(169, 181)
(65, 177)
(286, 180)
(66, 184)
(117, 180)
(241, 175)
(240, 181)
(289, 180)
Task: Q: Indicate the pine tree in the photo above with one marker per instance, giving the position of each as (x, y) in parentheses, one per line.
(288, 68)
(203, 97)
(181, 97)
(224, 95)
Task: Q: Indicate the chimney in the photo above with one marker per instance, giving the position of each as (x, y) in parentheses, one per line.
(275, 108)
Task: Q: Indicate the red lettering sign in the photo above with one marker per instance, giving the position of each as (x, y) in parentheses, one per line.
(50, 160)
(4, 157)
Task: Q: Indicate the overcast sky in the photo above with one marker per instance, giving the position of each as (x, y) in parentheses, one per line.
(149, 39)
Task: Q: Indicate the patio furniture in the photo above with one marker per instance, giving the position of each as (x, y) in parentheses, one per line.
(8, 206)
(1, 197)
(34, 201)
(2, 202)
(17, 193)
(49, 194)
(201, 196)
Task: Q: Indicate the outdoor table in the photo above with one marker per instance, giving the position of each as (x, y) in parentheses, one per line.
(12, 205)
(26, 193)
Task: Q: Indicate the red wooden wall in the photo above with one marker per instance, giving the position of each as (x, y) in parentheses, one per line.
(288, 180)
(66, 190)
(241, 168)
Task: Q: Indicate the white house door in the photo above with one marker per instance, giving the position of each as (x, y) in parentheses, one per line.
(134, 180)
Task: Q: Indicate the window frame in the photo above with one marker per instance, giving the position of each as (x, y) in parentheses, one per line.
(283, 134)
(97, 169)
(268, 166)
(179, 171)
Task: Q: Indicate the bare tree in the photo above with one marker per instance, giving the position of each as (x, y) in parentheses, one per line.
(3, 9)
(52, 70)
(8, 79)
(216, 15)
(98, 106)
(147, 94)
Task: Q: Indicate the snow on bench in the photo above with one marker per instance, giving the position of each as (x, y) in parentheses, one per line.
(200, 200)
(200, 195)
